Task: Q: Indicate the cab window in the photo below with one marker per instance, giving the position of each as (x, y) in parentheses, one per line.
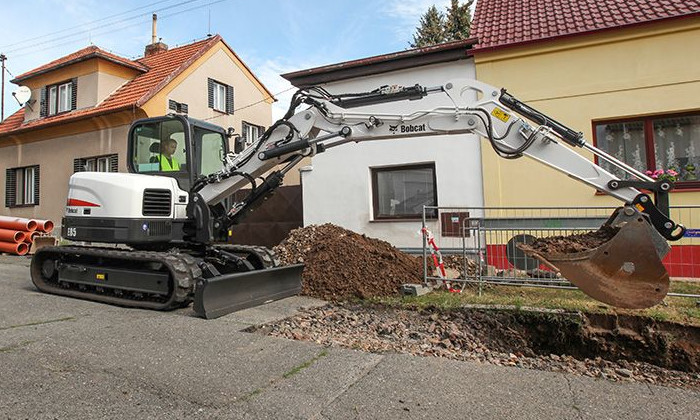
(212, 150)
(159, 147)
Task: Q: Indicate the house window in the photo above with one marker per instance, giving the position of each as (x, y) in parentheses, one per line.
(251, 132)
(22, 186)
(658, 143)
(179, 107)
(401, 192)
(105, 163)
(220, 96)
(58, 98)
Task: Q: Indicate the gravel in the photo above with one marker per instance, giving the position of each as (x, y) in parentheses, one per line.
(452, 335)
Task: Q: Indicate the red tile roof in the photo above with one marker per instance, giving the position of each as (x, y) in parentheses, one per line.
(162, 68)
(81, 55)
(503, 23)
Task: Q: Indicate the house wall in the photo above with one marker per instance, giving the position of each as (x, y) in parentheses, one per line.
(55, 160)
(638, 71)
(338, 187)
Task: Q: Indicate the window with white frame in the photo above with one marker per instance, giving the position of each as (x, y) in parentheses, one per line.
(220, 96)
(58, 98)
(104, 163)
(22, 186)
(400, 192)
(251, 132)
(666, 146)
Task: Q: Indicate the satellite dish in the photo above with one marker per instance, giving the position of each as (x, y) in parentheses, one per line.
(22, 94)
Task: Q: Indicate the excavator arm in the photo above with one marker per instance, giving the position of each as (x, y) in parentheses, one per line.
(625, 272)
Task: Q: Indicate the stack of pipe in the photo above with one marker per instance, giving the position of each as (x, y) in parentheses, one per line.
(17, 234)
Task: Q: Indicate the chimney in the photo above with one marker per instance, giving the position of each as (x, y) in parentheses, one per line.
(155, 46)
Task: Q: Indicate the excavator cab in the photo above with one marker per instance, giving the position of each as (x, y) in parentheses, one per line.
(176, 146)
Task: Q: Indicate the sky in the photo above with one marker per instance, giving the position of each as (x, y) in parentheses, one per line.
(271, 36)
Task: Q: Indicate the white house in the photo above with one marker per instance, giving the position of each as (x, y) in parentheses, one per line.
(379, 188)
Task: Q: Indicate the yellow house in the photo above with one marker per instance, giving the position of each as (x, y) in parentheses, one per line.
(81, 106)
(623, 73)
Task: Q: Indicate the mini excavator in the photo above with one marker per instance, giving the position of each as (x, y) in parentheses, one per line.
(172, 225)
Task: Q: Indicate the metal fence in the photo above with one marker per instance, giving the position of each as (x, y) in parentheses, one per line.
(479, 244)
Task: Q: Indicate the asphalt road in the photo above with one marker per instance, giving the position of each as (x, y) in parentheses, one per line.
(63, 358)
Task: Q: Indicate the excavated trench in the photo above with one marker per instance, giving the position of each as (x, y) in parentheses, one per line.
(343, 266)
(613, 347)
(590, 336)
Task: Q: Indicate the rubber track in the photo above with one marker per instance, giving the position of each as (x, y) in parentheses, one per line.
(266, 255)
(183, 269)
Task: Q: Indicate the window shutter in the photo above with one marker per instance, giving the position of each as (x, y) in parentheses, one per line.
(210, 83)
(74, 94)
(229, 99)
(44, 103)
(183, 108)
(114, 163)
(36, 185)
(172, 105)
(10, 184)
(78, 165)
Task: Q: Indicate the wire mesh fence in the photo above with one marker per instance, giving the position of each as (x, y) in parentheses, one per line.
(480, 244)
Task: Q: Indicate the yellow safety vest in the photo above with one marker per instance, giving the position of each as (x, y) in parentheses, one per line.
(167, 166)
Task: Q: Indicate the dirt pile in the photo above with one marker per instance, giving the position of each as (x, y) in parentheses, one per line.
(341, 264)
(571, 244)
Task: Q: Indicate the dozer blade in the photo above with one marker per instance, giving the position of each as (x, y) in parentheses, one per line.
(624, 272)
(228, 293)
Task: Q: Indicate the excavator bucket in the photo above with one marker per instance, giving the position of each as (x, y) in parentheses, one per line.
(228, 293)
(624, 272)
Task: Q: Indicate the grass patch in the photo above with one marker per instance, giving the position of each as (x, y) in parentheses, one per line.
(675, 309)
(305, 365)
(14, 347)
(30, 324)
(252, 394)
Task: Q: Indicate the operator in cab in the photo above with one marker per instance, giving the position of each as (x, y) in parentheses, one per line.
(168, 162)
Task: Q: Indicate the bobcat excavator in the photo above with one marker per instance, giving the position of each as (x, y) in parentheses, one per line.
(168, 229)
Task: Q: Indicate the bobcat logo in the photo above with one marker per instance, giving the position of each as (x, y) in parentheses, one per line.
(393, 128)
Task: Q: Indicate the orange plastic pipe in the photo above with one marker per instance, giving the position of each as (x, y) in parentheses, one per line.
(45, 226)
(14, 248)
(17, 223)
(29, 236)
(9, 235)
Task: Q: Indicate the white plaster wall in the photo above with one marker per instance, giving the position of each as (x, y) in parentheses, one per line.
(338, 189)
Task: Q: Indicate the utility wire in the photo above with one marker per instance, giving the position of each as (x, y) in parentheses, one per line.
(252, 104)
(8, 70)
(119, 28)
(51, 34)
(102, 29)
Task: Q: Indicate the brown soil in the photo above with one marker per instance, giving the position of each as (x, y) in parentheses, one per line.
(571, 244)
(341, 264)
